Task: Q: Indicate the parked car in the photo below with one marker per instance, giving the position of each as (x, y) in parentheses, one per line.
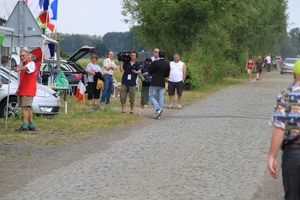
(287, 65)
(46, 101)
(70, 67)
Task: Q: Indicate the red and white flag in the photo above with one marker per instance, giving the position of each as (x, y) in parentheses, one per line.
(80, 89)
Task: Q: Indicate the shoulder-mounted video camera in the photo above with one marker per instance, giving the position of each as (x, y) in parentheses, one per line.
(124, 56)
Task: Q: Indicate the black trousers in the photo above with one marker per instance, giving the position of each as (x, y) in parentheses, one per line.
(268, 67)
(291, 173)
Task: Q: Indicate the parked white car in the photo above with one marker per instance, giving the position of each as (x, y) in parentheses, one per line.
(46, 101)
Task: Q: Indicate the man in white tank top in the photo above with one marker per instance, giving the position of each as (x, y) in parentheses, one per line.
(176, 80)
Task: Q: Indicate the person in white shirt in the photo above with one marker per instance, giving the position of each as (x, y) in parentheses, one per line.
(155, 55)
(176, 80)
(109, 68)
(268, 59)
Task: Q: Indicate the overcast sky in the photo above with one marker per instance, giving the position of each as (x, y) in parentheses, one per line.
(97, 17)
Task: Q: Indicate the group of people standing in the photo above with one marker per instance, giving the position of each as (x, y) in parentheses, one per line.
(156, 72)
(258, 65)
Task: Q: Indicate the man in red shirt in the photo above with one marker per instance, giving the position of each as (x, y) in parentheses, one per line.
(26, 90)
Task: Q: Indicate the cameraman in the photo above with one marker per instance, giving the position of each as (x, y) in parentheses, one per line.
(130, 69)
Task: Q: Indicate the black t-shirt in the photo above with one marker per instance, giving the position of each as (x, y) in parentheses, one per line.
(259, 63)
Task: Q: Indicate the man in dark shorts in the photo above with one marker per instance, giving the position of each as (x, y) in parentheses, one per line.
(176, 80)
(26, 90)
(285, 136)
(259, 64)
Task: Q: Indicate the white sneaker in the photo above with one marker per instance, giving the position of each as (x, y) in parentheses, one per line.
(158, 114)
(145, 106)
(179, 106)
(141, 113)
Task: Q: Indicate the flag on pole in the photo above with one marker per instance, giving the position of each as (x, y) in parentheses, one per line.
(80, 89)
(40, 10)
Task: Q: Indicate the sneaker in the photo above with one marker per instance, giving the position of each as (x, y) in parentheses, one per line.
(179, 106)
(257, 79)
(21, 129)
(170, 106)
(141, 113)
(145, 106)
(158, 114)
(32, 128)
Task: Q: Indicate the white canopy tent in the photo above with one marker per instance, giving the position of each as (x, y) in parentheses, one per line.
(8, 32)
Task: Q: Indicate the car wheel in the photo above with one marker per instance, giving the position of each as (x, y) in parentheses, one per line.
(13, 108)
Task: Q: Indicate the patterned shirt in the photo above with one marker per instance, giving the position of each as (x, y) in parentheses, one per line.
(108, 62)
(287, 114)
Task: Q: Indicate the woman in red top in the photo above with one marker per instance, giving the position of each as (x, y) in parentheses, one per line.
(249, 67)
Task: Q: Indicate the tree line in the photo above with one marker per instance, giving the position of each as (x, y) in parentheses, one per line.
(214, 37)
(114, 41)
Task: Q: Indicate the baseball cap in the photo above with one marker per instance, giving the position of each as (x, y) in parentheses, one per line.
(148, 59)
(296, 68)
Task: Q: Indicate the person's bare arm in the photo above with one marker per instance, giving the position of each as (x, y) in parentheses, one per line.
(184, 73)
(277, 138)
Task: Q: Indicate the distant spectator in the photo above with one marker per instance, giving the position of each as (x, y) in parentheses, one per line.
(145, 84)
(176, 80)
(259, 64)
(4, 62)
(155, 55)
(249, 67)
(94, 72)
(109, 67)
(268, 60)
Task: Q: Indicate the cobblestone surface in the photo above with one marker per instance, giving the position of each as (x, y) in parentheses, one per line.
(214, 149)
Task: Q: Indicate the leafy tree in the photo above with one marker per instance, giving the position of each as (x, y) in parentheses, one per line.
(215, 37)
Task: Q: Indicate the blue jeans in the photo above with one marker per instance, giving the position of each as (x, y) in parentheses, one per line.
(153, 90)
(107, 89)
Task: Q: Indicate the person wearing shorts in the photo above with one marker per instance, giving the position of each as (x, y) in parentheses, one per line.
(249, 68)
(130, 70)
(27, 90)
(259, 65)
(176, 80)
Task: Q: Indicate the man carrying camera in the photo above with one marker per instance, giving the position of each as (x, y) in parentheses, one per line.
(130, 69)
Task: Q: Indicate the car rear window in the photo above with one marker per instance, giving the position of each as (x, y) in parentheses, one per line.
(290, 61)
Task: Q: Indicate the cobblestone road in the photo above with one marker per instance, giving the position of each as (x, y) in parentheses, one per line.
(214, 149)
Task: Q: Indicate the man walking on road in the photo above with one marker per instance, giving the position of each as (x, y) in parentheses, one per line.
(286, 132)
(268, 59)
(176, 80)
(160, 70)
(259, 64)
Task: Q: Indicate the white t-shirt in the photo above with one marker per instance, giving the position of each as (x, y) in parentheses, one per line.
(94, 68)
(268, 58)
(176, 71)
